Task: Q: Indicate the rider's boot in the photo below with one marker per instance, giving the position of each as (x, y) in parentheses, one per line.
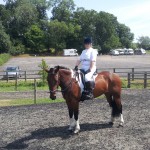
(88, 93)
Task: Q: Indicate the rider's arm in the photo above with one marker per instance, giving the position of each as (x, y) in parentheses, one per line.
(92, 65)
(78, 62)
(93, 59)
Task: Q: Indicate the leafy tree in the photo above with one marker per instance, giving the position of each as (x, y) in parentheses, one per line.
(144, 42)
(56, 35)
(35, 39)
(42, 72)
(63, 11)
(5, 43)
(125, 35)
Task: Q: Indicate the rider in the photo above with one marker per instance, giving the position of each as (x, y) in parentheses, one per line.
(88, 61)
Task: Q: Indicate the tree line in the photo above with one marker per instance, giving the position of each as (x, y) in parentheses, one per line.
(26, 28)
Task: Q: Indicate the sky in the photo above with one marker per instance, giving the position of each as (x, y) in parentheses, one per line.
(133, 13)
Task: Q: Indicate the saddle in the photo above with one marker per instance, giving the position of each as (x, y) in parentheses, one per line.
(82, 73)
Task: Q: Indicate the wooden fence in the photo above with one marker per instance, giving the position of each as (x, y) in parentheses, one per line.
(139, 76)
(130, 74)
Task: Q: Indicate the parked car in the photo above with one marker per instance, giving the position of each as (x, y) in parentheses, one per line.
(12, 72)
(140, 51)
(70, 52)
(121, 52)
(129, 52)
(114, 52)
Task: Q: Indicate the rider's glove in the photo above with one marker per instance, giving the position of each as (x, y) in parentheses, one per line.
(76, 68)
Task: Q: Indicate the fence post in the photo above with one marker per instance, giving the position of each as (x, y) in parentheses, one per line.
(25, 73)
(35, 91)
(7, 76)
(129, 82)
(145, 80)
(132, 74)
(16, 82)
(114, 70)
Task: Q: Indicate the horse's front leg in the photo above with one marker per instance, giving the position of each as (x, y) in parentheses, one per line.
(76, 117)
(72, 121)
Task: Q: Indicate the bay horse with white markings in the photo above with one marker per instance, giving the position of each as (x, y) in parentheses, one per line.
(106, 83)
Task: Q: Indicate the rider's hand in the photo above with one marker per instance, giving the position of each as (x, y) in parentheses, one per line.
(76, 68)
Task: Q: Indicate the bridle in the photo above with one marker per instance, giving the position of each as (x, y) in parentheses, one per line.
(57, 90)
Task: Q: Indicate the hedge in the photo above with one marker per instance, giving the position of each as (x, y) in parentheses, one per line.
(4, 58)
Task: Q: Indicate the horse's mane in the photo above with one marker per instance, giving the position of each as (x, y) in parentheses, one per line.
(62, 67)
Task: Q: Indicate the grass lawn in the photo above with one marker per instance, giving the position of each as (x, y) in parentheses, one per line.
(148, 51)
(19, 102)
(28, 86)
(22, 86)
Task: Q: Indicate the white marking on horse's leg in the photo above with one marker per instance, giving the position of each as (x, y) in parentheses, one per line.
(72, 124)
(77, 128)
(112, 119)
(121, 120)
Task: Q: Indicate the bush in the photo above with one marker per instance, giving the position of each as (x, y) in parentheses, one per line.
(42, 72)
(4, 58)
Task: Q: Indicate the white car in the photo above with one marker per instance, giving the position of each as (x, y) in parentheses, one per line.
(114, 53)
(140, 51)
(12, 72)
(129, 52)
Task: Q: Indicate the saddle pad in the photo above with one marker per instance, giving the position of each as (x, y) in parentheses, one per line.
(81, 80)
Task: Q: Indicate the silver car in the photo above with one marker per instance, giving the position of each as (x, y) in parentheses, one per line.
(12, 72)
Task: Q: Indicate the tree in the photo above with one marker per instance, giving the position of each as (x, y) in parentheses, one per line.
(63, 11)
(106, 32)
(5, 43)
(56, 34)
(125, 35)
(35, 39)
(144, 42)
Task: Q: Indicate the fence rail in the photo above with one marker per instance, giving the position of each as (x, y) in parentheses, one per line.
(130, 74)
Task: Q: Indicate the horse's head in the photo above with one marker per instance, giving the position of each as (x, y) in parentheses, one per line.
(53, 81)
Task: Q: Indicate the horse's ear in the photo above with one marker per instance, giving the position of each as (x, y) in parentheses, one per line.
(57, 69)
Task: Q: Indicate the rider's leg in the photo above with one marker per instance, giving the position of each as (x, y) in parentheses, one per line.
(89, 85)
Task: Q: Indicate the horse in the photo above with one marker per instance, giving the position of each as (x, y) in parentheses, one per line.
(106, 83)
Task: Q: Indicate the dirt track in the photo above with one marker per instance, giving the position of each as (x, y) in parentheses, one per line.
(44, 127)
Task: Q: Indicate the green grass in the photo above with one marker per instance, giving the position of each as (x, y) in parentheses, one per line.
(148, 52)
(19, 102)
(4, 58)
(22, 86)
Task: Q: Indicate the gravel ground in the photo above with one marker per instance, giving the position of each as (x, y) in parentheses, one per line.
(44, 127)
(31, 63)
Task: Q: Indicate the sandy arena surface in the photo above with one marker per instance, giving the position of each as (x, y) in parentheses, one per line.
(44, 127)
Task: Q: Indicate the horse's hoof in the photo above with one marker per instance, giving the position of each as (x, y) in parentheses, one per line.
(76, 131)
(111, 123)
(120, 125)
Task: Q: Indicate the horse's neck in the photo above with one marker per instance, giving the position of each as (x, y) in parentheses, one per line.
(65, 77)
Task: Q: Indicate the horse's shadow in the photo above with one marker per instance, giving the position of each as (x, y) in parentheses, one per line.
(53, 132)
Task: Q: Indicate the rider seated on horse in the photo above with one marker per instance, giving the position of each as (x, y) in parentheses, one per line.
(88, 62)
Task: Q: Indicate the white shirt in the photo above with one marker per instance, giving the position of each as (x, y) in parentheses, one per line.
(86, 57)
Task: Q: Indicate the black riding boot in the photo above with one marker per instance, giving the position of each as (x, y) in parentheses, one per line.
(88, 93)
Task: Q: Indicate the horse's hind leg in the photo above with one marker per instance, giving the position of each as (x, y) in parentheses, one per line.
(109, 100)
(117, 108)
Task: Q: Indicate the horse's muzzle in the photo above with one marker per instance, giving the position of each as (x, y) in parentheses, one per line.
(53, 97)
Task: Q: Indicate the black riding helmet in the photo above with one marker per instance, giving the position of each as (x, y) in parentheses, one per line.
(87, 40)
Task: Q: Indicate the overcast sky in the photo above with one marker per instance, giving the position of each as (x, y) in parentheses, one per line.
(133, 13)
